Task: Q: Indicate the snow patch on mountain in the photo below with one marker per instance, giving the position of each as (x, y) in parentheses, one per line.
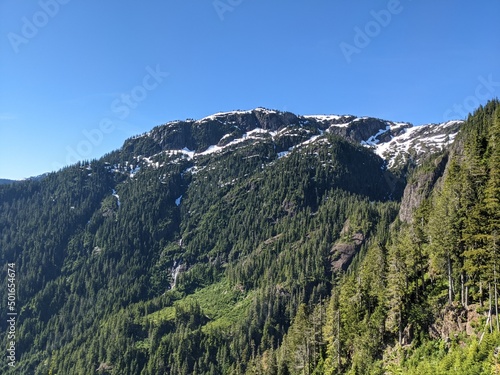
(188, 152)
(223, 115)
(255, 134)
(178, 201)
(134, 170)
(416, 142)
(323, 118)
(218, 115)
(396, 142)
(117, 198)
(282, 154)
(373, 140)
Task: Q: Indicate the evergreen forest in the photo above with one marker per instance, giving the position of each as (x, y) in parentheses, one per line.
(148, 261)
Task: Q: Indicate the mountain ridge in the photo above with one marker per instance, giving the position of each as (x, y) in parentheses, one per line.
(233, 243)
(4, 181)
(396, 142)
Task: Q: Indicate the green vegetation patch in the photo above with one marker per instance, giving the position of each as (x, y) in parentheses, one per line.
(222, 303)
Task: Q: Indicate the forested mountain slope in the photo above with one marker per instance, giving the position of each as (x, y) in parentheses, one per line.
(260, 242)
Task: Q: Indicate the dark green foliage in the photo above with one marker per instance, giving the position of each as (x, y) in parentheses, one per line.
(247, 275)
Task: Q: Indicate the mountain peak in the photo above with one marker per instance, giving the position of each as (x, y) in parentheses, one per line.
(397, 142)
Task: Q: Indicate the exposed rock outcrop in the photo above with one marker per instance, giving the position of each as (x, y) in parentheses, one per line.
(343, 252)
(419, 187)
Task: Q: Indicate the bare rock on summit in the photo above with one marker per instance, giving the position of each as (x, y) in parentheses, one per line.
(362, 129)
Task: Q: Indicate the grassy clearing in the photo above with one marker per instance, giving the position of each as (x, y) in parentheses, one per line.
(222, 303)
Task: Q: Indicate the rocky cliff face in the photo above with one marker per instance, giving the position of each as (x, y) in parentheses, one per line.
(399, 143)
(212, 130)
(369, 130)
(420, 186)
(343, 252)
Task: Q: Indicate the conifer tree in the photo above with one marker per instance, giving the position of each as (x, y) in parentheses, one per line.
(444, 229)
(397, 281)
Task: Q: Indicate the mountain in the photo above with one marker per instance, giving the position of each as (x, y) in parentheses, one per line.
(259, 241)
(4, 181)
(398, 143)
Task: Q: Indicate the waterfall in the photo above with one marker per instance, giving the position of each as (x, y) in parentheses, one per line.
(176, 269)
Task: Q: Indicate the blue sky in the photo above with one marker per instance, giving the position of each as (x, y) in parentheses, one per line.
(79, 77)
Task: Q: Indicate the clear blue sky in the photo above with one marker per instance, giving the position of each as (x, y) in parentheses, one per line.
(78, 77)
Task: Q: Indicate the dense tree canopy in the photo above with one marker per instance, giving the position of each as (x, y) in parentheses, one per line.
(245, 263)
